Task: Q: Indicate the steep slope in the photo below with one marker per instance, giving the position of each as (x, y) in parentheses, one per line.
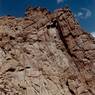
(46, 54)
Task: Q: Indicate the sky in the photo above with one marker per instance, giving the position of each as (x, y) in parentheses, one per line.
(84, 10)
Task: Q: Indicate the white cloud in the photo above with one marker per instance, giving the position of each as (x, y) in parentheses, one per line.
(87, 11)
(59, 1)
(93, 34)
(84, 13)
(79, 14)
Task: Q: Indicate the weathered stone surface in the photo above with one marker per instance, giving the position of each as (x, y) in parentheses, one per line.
(46, 54)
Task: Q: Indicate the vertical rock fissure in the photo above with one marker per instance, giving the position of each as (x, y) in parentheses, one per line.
(71, 91)
(64, 41)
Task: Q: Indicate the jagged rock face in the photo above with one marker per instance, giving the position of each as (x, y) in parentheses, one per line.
(46, 54)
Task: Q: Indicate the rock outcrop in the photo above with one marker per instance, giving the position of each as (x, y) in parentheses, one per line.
(46, 54)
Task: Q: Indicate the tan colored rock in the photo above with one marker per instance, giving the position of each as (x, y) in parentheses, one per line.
(46, 54)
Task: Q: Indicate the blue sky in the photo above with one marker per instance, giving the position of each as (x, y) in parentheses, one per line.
(84, 10)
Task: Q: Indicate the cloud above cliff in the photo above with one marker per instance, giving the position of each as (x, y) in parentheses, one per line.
(93, 34)
(59, 1)
(84, 13)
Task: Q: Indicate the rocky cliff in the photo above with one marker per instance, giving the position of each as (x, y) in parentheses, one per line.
(46, 53)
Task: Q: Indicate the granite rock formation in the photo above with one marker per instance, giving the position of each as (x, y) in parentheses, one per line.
(46, 53)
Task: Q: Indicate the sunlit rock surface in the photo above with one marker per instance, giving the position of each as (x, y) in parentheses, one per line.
(46, 54)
